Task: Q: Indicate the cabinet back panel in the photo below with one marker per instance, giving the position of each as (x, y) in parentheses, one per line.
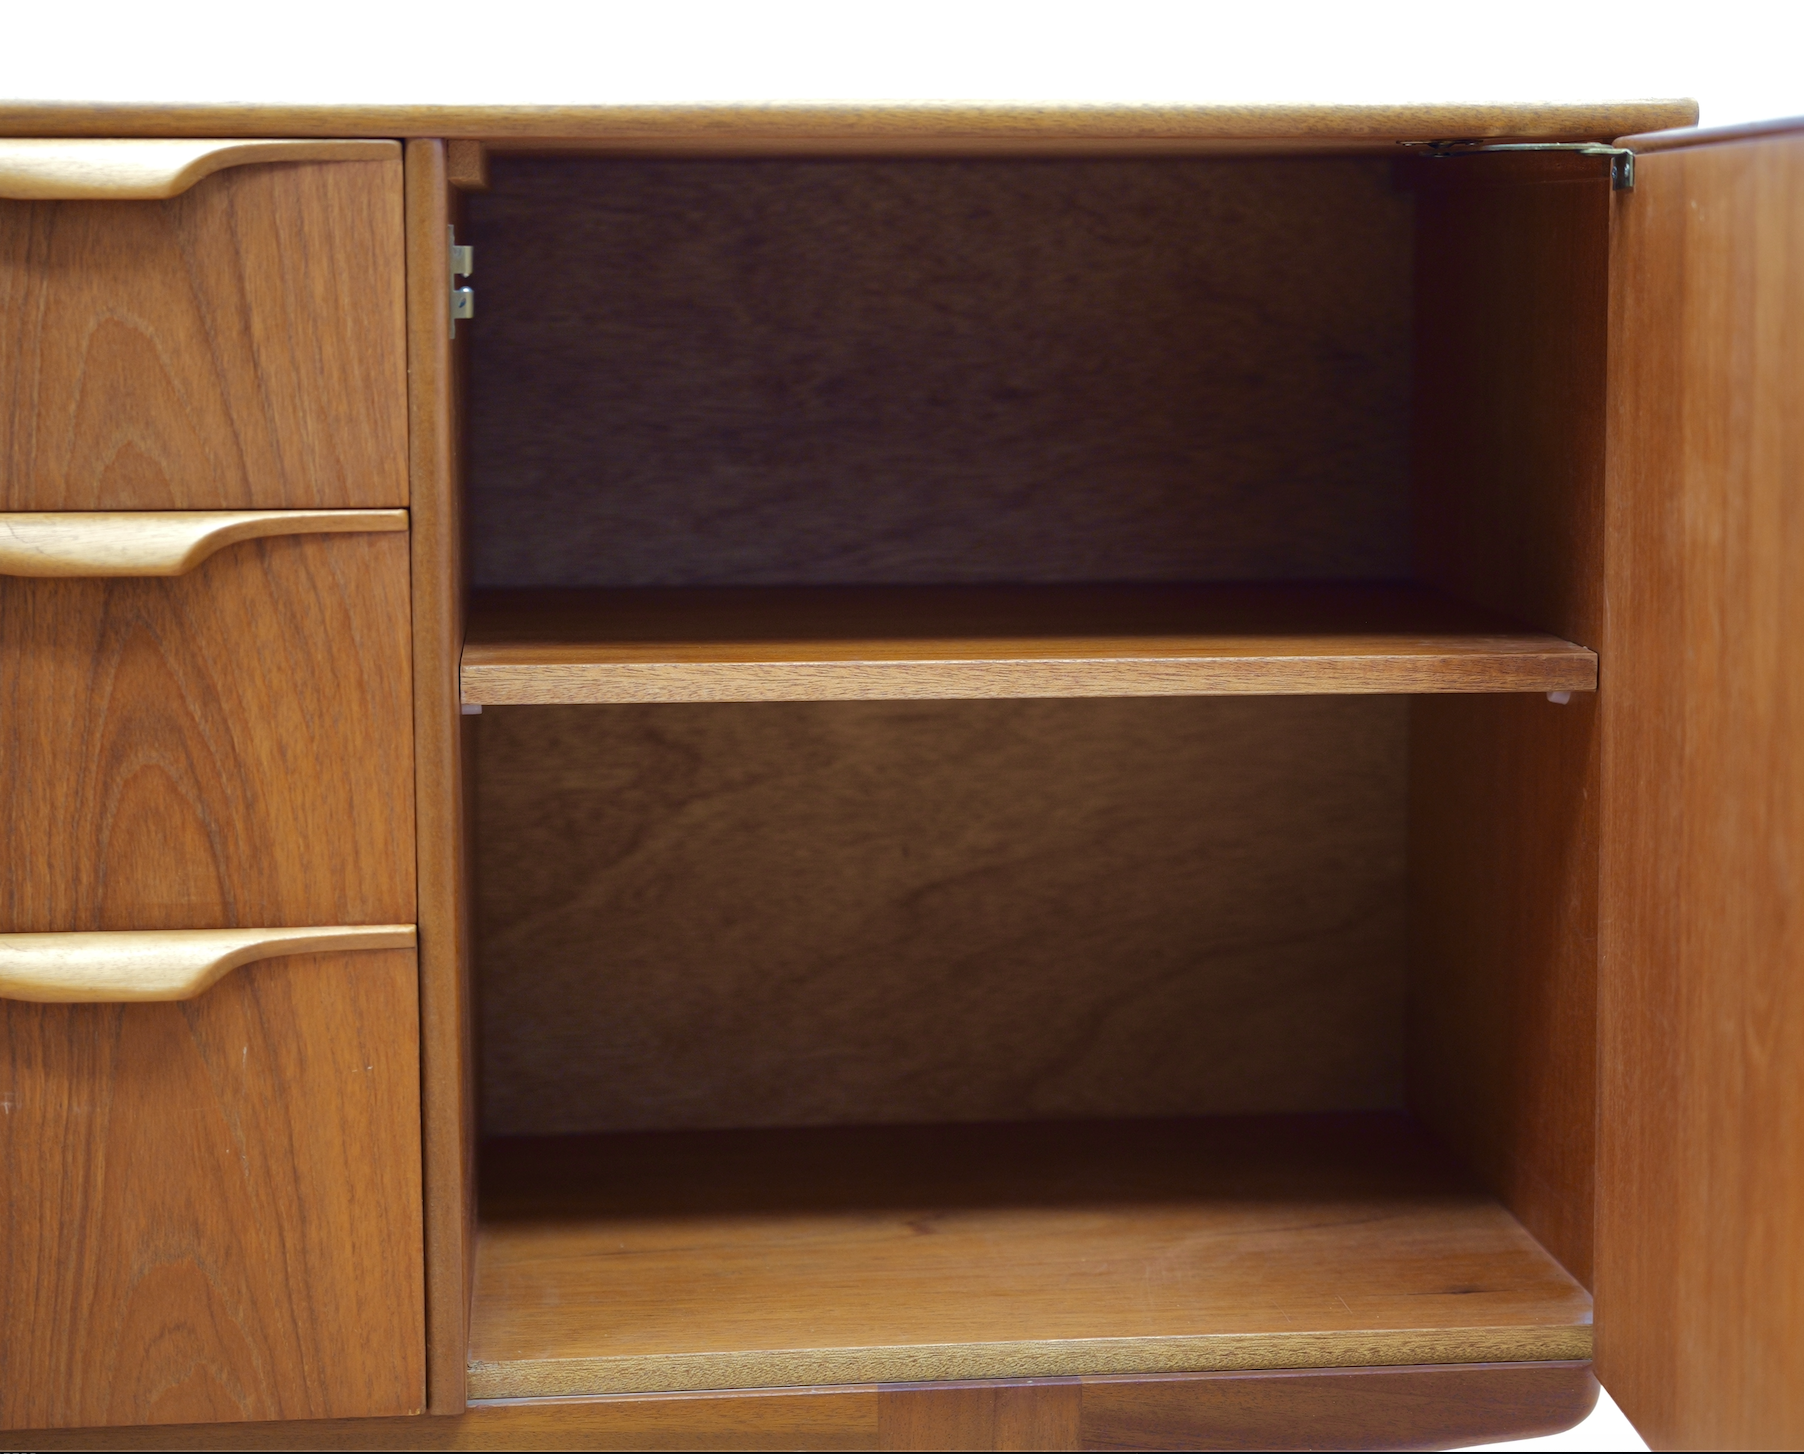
(765, 372)
(784, 914)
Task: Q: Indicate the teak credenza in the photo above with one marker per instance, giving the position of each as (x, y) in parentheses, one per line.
(908, 778)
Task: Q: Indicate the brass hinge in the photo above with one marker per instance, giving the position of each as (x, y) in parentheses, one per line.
(463, 264)
(1622, 160)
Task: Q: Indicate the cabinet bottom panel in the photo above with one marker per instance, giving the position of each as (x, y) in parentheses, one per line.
(679, 1261)
(1426, 1407)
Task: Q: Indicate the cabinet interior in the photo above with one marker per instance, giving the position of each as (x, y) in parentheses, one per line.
(1040, 1017)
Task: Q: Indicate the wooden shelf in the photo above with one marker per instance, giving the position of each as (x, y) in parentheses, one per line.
(743, 1259)
(850, 643)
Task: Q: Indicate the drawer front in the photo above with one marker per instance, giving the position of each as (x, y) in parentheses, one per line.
(212, 1208)
(229, 748)
(239, 345)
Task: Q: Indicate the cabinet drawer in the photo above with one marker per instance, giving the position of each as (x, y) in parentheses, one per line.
(213, 1207)
(229, 748)
(240, 345)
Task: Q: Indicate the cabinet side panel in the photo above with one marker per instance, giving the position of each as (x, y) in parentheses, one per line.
(1701, 1165)
(1510, 311)
(238, 346)
(213, 1207)
(438, 626)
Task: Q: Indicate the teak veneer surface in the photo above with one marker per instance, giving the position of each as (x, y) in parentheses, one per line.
(852, 912)
(1443, 1407)
(1504, 791)
(1435, 1407)
(231, 748)
(747, 1259)
(467, 166)
(934, 372)
(212, 1209)
(1688, 136)
(756, 127)
(822, 643)
(237, 347)
(1701, 1156)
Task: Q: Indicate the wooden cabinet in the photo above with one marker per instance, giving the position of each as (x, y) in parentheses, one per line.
(1069, 779)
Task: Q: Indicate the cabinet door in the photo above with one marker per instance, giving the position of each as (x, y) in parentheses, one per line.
(211, 1209)
(1700, 1257)
(240, 345)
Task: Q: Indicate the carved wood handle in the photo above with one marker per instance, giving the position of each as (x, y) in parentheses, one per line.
(158, 542)
(162, 964)
(146, 169)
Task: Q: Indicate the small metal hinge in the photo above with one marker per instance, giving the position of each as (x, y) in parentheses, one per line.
(463, 265)
(1622, 160)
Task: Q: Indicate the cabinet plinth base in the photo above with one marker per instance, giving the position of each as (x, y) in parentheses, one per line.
(1427, 1407)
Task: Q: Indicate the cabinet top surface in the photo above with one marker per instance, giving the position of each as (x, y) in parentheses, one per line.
(927, 127)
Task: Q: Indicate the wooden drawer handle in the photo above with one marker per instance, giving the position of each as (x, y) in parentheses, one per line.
(145, 169)
(159, 542)
(162, 964)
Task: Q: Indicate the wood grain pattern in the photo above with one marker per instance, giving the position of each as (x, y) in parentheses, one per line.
(143, 169)
(226, 749)
(1447, 1407)
(1701, 1156)
(776, 1419)
(790, 373)
(1436, 1407)
(439, 579)
(756, 1259)
(1670, 140)
(239, 346)
(1504, 792)
(871, 128)
(864, 643)
(92, 543)
(191, 1233)
(804, 913)
(467, 166)
(163, 964)
(1042, 1413)
(212, 1208)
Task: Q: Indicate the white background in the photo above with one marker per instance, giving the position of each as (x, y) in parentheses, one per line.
(1741, 61)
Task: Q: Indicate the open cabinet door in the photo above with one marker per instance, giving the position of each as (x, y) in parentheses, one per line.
(1700, 1233)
